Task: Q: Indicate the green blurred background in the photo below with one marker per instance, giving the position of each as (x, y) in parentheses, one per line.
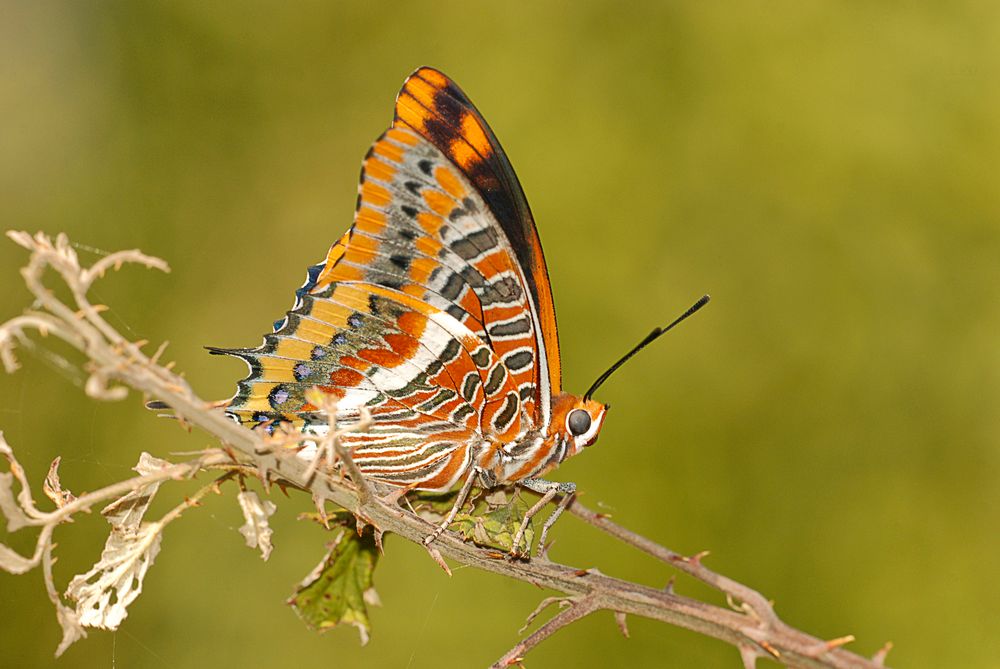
(827, 427)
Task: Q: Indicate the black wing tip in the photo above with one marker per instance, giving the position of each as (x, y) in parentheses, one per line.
(427, 68)
(157, 405)
(434, 77)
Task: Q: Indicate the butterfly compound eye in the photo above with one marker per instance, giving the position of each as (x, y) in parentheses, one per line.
(578, 422)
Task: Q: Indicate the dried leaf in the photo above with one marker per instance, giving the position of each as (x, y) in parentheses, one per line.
(495, 528)
(256, 530)
(53, 488)
(12, 511)
(127, 511)
(73, 631)
(103, 594)
(340, 588)
(13, 508)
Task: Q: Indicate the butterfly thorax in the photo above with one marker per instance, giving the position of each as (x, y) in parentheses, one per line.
(538, 451)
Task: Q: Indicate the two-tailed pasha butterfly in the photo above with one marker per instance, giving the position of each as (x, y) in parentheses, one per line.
(433, 313)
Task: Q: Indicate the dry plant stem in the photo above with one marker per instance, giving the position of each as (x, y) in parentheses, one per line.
(757, 633)
(576, 610)
(48, 521)
(756, 602)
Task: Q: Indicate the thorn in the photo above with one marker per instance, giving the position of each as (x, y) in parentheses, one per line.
(770, 649)
(697, 558)
(879, 657)
(622, 623)
(378, 539)
(436, 556)
(159, 351)
(320, 504)
(669, 587)
(749, 654)
(264, 479)
(393, 496)
(839, 641)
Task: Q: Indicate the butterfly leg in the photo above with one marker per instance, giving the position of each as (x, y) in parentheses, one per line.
(549, 490)
(463, 496)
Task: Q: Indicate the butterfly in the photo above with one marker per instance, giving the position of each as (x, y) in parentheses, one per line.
(433, 316)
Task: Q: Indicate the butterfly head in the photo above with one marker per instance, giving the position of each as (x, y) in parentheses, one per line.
(578, 420)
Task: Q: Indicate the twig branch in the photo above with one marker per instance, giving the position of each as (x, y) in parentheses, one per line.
(752, 601)
(573, 611)
(753, 629)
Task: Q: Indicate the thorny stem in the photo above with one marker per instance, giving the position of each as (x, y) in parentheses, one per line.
(574, 611)
(758, 604)
(49, 521)
(756, 631)
(193, 500)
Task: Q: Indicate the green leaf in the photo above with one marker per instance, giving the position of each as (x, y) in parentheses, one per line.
(495, 526)
(340, 588)
(434, 506)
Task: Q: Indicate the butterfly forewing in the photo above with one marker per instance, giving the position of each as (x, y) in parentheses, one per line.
(436, 108)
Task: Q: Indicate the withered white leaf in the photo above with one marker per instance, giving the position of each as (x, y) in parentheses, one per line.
(103, 594)
(69, 621)
(13, 507)
(257, 530)
(127, 511)
(11, 510)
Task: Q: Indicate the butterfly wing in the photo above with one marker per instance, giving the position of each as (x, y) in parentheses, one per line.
(436, 108)
(423, 312)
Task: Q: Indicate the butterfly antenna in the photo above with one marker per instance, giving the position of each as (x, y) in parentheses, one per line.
(650, 338)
